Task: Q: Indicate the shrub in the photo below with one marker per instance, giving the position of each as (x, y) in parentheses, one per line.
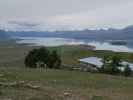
(42, 57)
(111, 64)
(127, 71)
(55, 61)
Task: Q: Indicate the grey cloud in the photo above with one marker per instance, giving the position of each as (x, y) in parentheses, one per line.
(74, 13)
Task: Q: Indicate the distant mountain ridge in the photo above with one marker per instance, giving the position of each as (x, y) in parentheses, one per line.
(119, 34)
(4, 35)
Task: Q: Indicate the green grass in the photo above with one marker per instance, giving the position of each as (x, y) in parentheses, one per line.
(13, 55)
(54, 83)
(71, 54)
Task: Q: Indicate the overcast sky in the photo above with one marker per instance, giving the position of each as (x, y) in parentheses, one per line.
(65, 14)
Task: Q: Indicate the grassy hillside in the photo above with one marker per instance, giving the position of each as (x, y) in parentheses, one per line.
(13, 55)
(59, 84)
(64, 85)
(71, 54)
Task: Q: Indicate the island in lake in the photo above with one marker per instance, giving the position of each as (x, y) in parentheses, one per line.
(118, 42)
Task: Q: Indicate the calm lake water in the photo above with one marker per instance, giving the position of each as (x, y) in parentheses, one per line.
(51, 41)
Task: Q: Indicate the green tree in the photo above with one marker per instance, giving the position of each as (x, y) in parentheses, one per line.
(111, 64)
(116, 60)
(55, 61)
(30, 59)
(127, 71)
(105, 61)
(42, 57)
(115, 63)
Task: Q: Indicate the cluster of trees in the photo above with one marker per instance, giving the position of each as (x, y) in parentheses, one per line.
(44, 58)
(113, 65)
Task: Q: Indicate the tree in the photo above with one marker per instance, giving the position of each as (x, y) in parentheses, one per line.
(30, 59)
(115, 63)
(116, 60)
(105, 61)
(127, 71)
(55, 61)
(42, 57)
(111, 64)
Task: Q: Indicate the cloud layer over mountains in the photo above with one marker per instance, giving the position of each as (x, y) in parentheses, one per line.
(64, 14)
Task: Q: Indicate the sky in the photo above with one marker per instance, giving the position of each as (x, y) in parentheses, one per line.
(65, 14)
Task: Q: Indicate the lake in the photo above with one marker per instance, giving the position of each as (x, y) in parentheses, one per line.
(52, 41)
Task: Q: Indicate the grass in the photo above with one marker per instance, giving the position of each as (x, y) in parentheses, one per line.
(54, 83)
(13, 54)
(61, 84)
(71, 54)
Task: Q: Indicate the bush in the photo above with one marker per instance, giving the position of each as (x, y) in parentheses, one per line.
(31, 58)
(55, 61)
(111, 64)
(42, 57)
(127, 71)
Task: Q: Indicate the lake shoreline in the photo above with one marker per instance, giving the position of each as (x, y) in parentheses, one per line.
(53, 42)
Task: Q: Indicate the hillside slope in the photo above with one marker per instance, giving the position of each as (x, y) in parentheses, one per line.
(63, 85)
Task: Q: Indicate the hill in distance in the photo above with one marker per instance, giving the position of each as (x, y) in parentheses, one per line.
(4, 35)
(101, 34)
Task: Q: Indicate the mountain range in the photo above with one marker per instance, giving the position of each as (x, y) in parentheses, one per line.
(101, 34)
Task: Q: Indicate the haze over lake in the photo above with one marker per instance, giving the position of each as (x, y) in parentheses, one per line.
(52, 41)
